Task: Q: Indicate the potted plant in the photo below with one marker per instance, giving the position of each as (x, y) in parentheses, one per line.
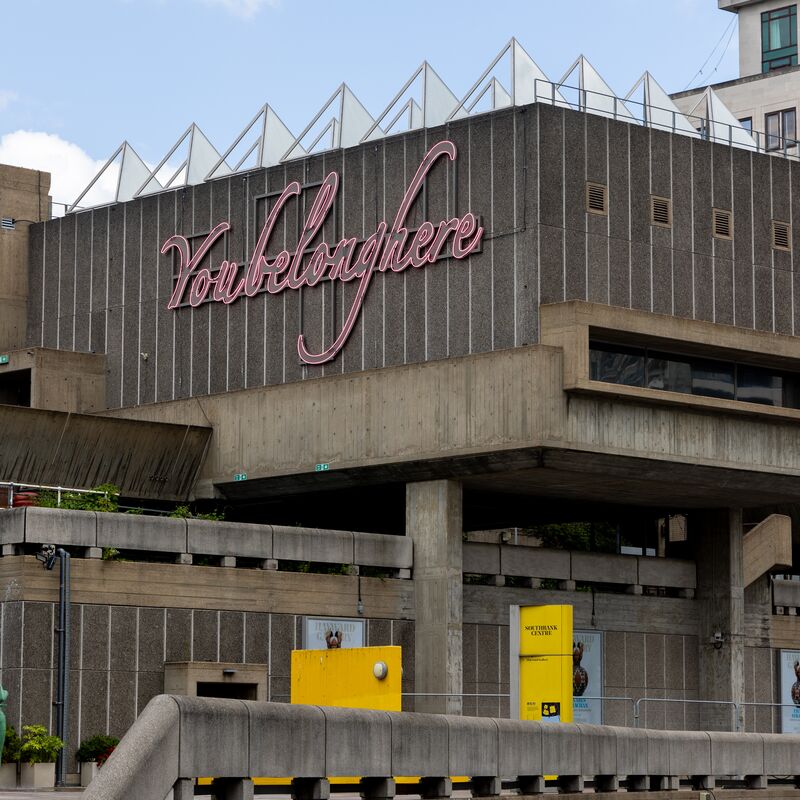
(92, 754)
(10, 759)
(38, 755)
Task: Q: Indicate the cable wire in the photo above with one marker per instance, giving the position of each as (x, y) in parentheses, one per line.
(713, 50)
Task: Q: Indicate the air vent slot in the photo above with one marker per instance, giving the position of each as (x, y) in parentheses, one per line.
(597, 198)
(723, 224)
(661, 211)
(7, 224)
(781, 235)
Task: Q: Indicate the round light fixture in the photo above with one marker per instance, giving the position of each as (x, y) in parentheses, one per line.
(380, 670)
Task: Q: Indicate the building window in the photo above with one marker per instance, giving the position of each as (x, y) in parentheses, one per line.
(779, 38)
(747, 124)
(706, 377)
(781, 128)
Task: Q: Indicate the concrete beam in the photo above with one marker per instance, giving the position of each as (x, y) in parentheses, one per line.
(766, 546)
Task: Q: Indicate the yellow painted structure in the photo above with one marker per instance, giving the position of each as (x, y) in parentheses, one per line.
(345, 677)
(545, 663)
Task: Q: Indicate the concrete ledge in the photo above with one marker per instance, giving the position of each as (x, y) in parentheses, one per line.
(186, 737)
(286, 740)
(481, 558)
(420, 744)
(217, 740)
(604, 568)
(243, 540)
(312, 544)
(381, 550)
(139, 532)
(59, 526)
(520, 748)
(786, 594)
(147, 766)
(736, 754)
(12, 526)
(357, 742)
(670, 572)
(534, 562)
(472, 746)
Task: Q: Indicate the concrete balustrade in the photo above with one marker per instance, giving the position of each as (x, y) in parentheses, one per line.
(177, 739)
(571, 567)
(91, 531)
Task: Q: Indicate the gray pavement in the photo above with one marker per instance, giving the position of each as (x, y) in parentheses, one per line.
(50, 794)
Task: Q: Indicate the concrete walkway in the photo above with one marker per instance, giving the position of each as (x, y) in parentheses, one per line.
(51, 794)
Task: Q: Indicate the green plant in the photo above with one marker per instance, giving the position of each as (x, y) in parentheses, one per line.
(111, 554)
(96, 748)
(38, 747)
(11, 746)
(135, 511)
(78, 501)
(181, 512)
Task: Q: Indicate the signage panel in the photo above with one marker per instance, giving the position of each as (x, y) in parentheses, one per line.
(332, 633)
(541, 663)
(790, 690)
(587, 676)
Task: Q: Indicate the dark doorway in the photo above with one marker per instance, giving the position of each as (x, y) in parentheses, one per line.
(234, 691)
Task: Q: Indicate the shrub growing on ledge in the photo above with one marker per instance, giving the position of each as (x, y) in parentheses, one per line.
(97, 748)
(38, 747)
(11, 746)
(78, 501)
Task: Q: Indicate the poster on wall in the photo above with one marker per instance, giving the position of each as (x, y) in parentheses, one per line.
(790, 690)
(587, 676)
(331, 633)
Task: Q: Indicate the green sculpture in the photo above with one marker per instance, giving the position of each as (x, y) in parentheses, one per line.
(3, 699)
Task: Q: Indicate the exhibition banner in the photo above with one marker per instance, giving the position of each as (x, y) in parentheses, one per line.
(587, 676)
(790, 690)
(332, 633)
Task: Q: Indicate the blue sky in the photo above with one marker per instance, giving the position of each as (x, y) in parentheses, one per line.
(86, 74)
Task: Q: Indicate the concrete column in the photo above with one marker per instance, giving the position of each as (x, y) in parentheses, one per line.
(717, 539)
(434, 522)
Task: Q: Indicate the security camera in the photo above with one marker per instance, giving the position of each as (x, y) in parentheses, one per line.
(717, 639)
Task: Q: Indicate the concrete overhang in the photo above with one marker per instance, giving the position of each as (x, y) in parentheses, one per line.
(522, 421)
(147, 460)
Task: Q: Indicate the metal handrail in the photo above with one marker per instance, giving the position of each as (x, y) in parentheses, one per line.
(41, 486)
(733, 705)
(761, 140)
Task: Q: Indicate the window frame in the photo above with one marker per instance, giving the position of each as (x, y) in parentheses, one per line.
(778, 57)
(784, 137)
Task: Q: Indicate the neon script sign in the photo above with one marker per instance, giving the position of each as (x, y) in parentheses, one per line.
(348, 260)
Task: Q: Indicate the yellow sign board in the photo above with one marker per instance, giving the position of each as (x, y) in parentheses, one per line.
(541, 639)
(349, 677)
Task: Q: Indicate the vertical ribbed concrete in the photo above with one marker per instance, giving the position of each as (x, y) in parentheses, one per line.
(434, 521)
(720, 594)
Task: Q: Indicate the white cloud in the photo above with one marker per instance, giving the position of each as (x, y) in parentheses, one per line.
(71, 168)
(246, 9)
(7, 97)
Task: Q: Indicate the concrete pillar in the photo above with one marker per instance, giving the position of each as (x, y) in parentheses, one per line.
(434, 522)
(717, 537)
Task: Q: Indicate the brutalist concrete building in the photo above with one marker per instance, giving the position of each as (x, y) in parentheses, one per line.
(537, 347)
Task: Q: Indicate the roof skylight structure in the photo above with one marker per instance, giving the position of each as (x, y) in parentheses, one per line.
(341, 122)
(200, 156)
(512, 78)
(586, 90)
(125, 169)
(654, 107)
(718, 123)
(423, 102)
(261, 144)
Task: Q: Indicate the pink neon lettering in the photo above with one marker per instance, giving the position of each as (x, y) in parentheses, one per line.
(386, 249)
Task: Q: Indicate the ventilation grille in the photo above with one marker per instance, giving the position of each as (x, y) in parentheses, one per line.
(781, 235)
(7, 224)
(660, 211)
(596, 198)
(723, 224)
